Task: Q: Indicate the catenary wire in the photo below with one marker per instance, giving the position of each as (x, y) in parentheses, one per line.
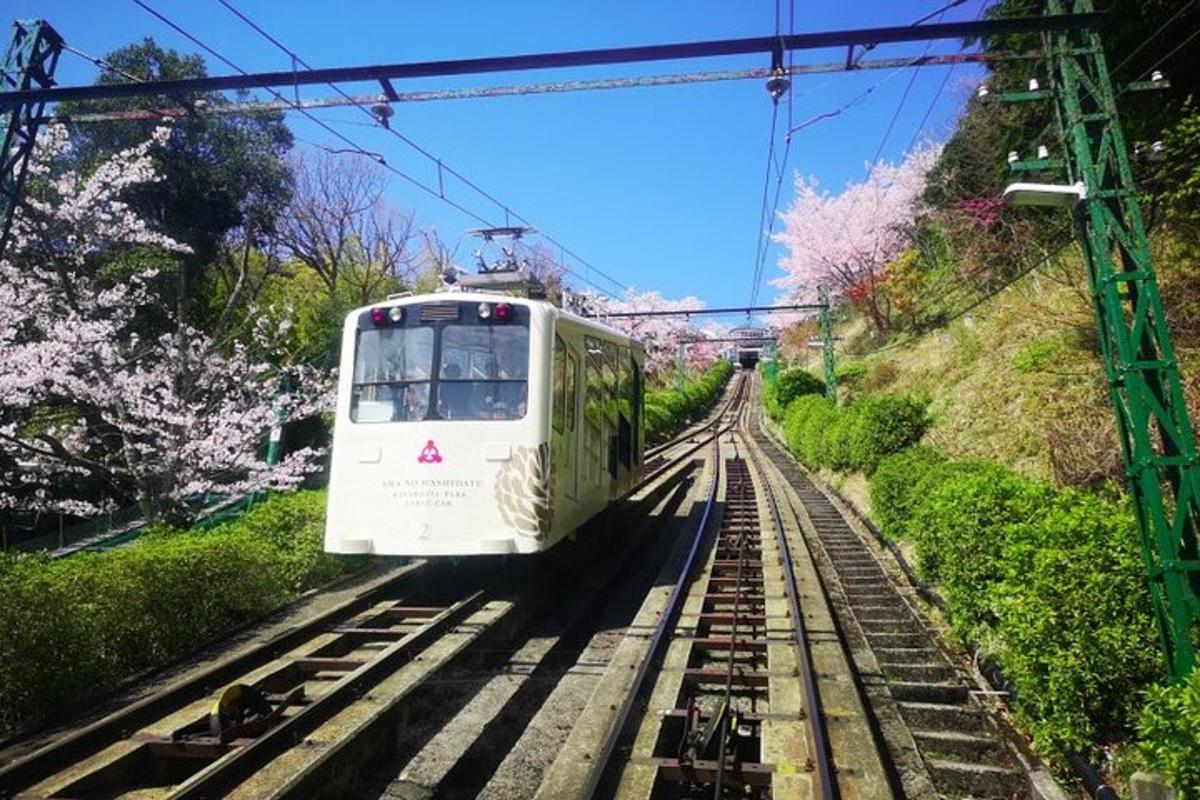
(353, 146)
(440, 163)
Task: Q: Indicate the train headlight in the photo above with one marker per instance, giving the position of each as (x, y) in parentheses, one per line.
(503, 312)
(396, 313)
(485, 311)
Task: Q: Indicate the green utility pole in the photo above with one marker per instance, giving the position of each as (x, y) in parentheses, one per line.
(1158, 447)
(275, 441)
(29, 63)
(827, 346)
(681, 367)
(771, 362)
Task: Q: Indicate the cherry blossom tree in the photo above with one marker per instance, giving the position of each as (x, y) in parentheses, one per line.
(845, 240)
(101, 401)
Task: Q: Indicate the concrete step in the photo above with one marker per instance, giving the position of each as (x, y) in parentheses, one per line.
(921, 692)
(920, 671)
(942, 716)
(977, 780)
(966, 747)
(907, 626)
(882, 639)
(902, 655)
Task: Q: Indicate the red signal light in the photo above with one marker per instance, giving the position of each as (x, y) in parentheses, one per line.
(378, 316)
(503, 312)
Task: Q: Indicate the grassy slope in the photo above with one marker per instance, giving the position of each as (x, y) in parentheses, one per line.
(1017, 380)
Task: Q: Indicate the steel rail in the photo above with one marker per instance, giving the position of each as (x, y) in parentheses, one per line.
(226, 773)
(665, 622)
(71, 748)
(733, 635)
(822, 754)
(384, 73)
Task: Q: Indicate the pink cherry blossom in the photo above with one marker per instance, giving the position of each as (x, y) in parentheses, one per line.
(83, 394)
(845, 240)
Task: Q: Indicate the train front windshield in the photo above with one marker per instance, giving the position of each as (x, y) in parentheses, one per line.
(482, 372)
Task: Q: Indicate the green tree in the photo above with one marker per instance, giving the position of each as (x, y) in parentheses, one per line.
(219, 172)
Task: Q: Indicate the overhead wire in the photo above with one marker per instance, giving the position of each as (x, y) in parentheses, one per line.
(766, 220)
(440, 163)
(962, 286)
(354, 147)
(102, 64)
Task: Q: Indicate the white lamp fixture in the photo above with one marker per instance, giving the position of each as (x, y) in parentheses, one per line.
(1045, 194)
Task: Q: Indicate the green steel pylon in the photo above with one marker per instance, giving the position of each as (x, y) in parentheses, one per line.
(827, 346)
(29, 63)
(1158, 447)
(770, 362)
(681, 367)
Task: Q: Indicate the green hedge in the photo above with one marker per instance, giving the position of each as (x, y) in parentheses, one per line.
(1169, 728)
(856, 436)
(74, 628)
(780, 393)
(669, 411)
(894, 487)
(1048, 582)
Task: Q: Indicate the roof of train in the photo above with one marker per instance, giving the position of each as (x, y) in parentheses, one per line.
(592, 323)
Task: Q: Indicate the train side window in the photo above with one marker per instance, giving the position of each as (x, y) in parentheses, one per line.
(559, 401)
(593, 382)
(572, 378)
(635, 400)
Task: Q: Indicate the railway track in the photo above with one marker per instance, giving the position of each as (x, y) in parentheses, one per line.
(724, 633)
(729, 682)
(941, 737)
(288, 717)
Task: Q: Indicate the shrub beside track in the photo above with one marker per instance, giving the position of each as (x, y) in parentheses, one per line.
(1046, 582)
(75, 628)
(668, 411)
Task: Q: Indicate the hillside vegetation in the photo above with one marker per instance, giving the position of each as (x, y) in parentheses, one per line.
(1007, 488)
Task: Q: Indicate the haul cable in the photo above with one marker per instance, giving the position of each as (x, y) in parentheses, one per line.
(669, 615)
(822, 754)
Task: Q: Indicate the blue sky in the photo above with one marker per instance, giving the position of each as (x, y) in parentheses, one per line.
(658, 187)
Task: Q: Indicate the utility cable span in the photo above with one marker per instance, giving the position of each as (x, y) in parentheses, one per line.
(354, 147)
(440, 163)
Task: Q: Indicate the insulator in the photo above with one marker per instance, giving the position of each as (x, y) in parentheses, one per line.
(777, 85)
(982, 91)
(1156, 76)
(1033, 84)
(382, 111)
(1043, 152)
(1013, 156)
(200, 105)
